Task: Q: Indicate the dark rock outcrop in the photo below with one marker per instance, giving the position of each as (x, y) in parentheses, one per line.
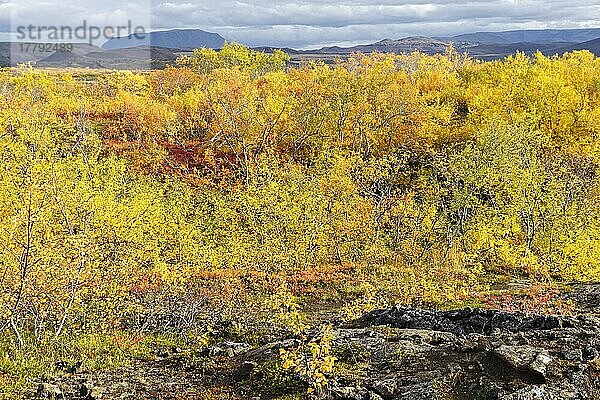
(49, 391)
(393, 354)
(468, 320)
(468, 354)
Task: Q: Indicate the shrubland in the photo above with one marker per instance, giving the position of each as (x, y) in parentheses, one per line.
(230, 190)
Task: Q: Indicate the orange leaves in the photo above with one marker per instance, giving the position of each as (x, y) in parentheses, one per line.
(229, 177)
(537, 298)
(322, 280)
(173, 81)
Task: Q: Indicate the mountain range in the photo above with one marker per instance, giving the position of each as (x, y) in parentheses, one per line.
(530, 36)
(171, 39)
(158, 49)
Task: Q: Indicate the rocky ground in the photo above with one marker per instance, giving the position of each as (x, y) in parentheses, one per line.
(397, 353)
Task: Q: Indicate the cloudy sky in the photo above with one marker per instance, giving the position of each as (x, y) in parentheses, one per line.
(307, 23)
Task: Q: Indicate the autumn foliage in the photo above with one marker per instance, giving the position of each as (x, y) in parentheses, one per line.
(215, 183)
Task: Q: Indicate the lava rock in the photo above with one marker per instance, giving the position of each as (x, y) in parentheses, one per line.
(49, 391)
(353, 393)
(527, 359)
(462, 322)
(244, 371)
(229, 349)
(386, 388)
(89, 391)
(471, 353)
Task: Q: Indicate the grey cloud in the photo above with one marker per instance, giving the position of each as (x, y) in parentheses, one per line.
(310, 23)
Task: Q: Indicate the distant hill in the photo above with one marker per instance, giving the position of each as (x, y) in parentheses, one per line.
(487, 51)
(405, 45)
(141, 57)
(480, 45)
(171, 39)
(591, 45)
(22, 52)
(541, 36)
(494, 51)
(162, 48)
(88, 56)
